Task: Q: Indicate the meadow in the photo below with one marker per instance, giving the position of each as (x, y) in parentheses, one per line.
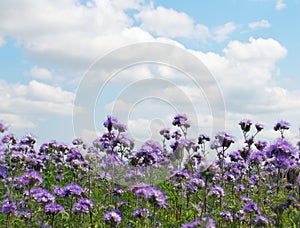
(169, 183)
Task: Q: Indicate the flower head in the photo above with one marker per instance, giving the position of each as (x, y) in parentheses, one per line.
(141, 213)
(53, 208)
(261, 221)
(113, 217)
(245, 125)
(3, 128)
(83, 205)
(30, 178)
(8, 207)
(281, 125)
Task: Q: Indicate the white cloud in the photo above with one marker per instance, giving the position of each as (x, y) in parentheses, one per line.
(259, 24)
(221, 33)
(170, 23)
(280, 5)
(2, 41)
(35, 98)
(39, 73)
(16, 121)
(66, 34)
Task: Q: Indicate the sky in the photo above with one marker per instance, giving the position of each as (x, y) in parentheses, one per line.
(48, 49)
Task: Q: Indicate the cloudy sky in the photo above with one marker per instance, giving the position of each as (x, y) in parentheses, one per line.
(250, 47)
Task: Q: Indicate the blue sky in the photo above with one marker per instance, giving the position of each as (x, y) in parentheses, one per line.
(46, 48)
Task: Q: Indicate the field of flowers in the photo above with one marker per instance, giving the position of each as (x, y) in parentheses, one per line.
(166, 184)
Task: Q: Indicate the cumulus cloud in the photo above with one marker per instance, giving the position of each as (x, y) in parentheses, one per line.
(72, 35)
(259, 24)
(16, 121)
(221, 33)
(35, 98)
(39, 73)
(171, 23)
(280, 5)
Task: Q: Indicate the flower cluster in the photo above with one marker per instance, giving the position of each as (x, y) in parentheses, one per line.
(172, 183)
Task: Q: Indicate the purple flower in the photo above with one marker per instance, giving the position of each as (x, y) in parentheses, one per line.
(30, 179)
(8, 207)
(217, 191)
(28, 140)
(2, 173)
(260, 145)
(226, 215)
(251, 207)
(118, 191)
(109, 123)
(281, 154)
(245, 125)
(9, 138)
(222, 140)
(77, 141)
(165, 133)
(281, 125)
(53, 208)
(40, 195)
(261, 221)
(155, 196)
(60, 191)
(239, 188)
(192, 224)
(113, 217)
(141, 213)
(257, 157)
(181, 120)
(83, 205)
(176, 134)
(202, 138)
(73, 189)
(3, 128)
(259, 126)
(235, 156)
(207, 222)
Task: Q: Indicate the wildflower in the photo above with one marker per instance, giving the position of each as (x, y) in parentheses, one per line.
(226, 215)
(281, 154)
(217, 191)
(235, 156)
(192, 224)
(83, 205)
(165, 133)
(53, 208)
(30, 179)
(73, 189)
(281, 125)
(259, 126)
(176, 134)
(157, 197)
(141, 213)
(222, 140)
(3, 128)
(202, 138)
(40, 195)
(239, 188)
(113, 217)
(257, 157)
(260, 145)
(245, 125)
(8, 207)
(251, 207)
(60, 191)
(261, 221)
(77, 141)
(181, 120)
